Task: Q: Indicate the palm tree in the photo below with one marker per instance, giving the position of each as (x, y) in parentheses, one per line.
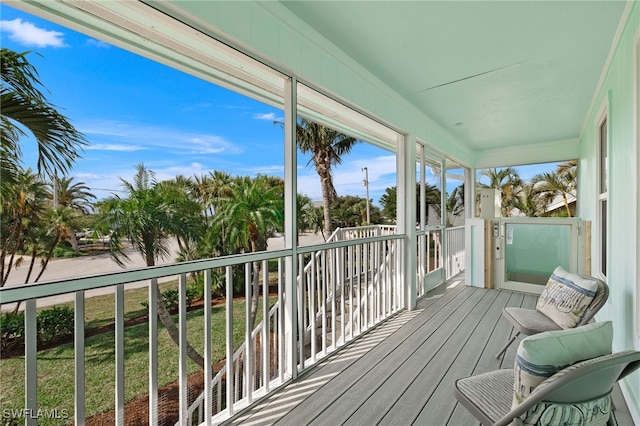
(327, 146)
(508, 182)
(146, 218)
(24, 205)
(305, 213)
(529, 201)
(25, 107)
(250, 215)
(455, 204)
(73, 195)
(184, 211)
(389, 202)
(432, 197)
(562, 182)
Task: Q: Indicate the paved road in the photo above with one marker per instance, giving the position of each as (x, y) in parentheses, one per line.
(102, 263)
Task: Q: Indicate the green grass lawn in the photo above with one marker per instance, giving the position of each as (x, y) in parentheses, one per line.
(56, 365)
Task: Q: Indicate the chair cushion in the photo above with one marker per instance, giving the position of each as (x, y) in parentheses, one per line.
(488, 395)
(566, 297)
(529, 321)
(591, 413)
(542, 355)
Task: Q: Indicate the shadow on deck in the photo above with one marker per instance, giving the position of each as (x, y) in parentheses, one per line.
(402, 372)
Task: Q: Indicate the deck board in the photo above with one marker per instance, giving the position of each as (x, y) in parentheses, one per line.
(403, 371)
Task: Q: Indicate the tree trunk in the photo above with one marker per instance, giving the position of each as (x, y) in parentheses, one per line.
(166, 320)
(326, 206)
(566, 205)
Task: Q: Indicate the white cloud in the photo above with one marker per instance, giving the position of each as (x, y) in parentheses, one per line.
(114, 147)
(28, 34)
(92, 42)
(270, 116)
(145, 136)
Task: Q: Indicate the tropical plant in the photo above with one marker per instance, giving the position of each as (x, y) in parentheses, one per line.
(455, 204)
(327, 147)
(73, 195)
(25, 111)
(432, 195)
(560, 183)
(529, 202)
(305, 213)
(251, 213)
(508, 182)
(24, 206)
(389, 203)
(24, 107)
(147, 217)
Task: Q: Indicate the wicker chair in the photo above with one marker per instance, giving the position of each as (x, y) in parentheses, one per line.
(569, 392)
(530, 321)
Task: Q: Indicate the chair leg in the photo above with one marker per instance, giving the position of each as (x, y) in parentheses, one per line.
(505, 347)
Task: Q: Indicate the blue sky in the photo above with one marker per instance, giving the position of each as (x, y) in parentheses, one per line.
(133, 110)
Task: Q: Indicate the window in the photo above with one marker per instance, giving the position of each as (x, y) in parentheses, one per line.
(603, 191)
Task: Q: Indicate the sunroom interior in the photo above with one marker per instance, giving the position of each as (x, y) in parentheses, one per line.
(451, 87)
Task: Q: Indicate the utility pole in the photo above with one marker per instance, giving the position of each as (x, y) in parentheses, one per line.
(365, 183)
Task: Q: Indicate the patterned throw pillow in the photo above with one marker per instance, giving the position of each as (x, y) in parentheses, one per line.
(591, 413)
(542, 355)
(566, 297)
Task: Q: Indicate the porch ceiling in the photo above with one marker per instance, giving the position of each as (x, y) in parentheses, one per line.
(493, 73)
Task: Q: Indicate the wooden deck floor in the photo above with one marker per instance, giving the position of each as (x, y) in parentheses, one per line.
(402, 372)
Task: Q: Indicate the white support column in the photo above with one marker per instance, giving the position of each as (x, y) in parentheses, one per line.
(406, 215)
(290, 230)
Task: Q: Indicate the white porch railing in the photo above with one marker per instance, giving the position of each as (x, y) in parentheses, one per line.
(455, 251)
(440, 252)
(345, 286)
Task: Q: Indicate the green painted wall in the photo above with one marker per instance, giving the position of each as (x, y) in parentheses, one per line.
(616, 97)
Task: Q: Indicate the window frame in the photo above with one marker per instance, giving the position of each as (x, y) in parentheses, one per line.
(602, 133)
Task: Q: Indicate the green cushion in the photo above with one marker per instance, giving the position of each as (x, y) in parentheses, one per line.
(590, 413)
(566, 297)
(544, 354)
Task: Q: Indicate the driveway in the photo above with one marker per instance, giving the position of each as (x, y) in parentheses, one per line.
(59, 269)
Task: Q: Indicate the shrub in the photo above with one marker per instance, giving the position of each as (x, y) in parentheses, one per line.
(171, 297)
(64, 252)
(11, 330)
(55, 322)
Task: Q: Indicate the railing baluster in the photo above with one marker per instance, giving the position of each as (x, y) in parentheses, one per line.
(323, 308)
(264, 345)
(30, 362)
(183, 394)
(281, 312)
(229, 339)
(79, 351)
(350, 271)
(153, 351)
(342, 285)
(119, 354)
(301, 312)
(208, 361)
(248, 341)
(359, 288)
(365, 268)
(312, 285)
(333, 260)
